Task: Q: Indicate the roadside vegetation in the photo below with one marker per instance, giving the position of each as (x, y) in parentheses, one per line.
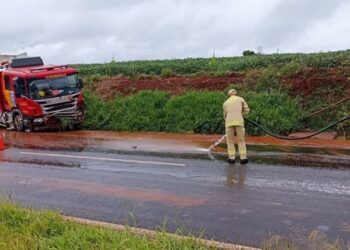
(218, 66)
(281, 90)
(23, 228)
(29, 229)
(193, 112)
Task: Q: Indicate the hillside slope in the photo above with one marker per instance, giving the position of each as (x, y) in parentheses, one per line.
(314, 81)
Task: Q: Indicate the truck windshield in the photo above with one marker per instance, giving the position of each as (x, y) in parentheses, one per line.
(53, 87)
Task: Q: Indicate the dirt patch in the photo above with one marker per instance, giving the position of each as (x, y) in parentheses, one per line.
(304, 83)
(310, 80)
(110, 87)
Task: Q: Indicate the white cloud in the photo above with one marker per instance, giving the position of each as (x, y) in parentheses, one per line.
(331, 33)
(95, 30)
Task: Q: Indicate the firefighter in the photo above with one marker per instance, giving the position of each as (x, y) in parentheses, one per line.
(234, 109)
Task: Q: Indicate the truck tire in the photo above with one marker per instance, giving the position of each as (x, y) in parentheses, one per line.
(77, 126)
(3, 119)
(18, 121)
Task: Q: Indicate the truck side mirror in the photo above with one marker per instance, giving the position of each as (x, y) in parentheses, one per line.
(81, 83)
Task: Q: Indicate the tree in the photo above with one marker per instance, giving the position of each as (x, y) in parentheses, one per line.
(248, 53)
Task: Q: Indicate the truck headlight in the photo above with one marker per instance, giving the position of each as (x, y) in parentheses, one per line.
(38, 120)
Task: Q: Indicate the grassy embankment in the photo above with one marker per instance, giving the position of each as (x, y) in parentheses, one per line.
(268, 88)
(192, 112)
(29, 229)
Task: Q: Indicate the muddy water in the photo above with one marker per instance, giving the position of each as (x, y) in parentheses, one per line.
(138, 194)
(310, 152)
(80, 140)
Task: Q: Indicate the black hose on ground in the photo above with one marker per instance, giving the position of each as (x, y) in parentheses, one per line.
(280, 136)
(297, 138)
(293, 138)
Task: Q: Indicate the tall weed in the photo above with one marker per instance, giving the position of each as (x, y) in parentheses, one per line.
(274, 110)
(193, 112)
(199, 112)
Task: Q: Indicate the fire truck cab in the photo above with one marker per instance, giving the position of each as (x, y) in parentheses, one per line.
(34, 96)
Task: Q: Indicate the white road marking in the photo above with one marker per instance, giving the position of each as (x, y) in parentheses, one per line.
(107, 159)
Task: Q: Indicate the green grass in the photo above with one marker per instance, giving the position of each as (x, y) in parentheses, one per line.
(193, 112)
(22, 228)
(218, 66)
(299, 241)
(275, 111)
(29, 229)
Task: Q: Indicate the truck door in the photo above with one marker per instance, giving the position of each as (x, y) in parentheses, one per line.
(9, 93)
(2, 96)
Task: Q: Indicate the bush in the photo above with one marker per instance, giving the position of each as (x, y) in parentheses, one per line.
(324, 95)
(97, 113)
(194, 112)
(274, 110)
(167, 72)
(141, 112)
(199, 112)
(343, 129)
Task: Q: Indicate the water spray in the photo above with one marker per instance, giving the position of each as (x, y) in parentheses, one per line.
(217, 143)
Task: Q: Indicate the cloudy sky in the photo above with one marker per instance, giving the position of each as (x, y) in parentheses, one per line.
(84, 31)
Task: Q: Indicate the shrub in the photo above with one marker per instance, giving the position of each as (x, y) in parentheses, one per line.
(167, 72)
(199, 112)
(274, 110)
(194, 112)
(292, 68)
(140, 112)
(343, 129)
(97, 113)
(213, 63)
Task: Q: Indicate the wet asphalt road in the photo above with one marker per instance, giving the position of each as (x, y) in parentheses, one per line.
(239, 204)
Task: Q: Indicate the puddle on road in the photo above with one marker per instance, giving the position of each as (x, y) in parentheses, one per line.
(74, 141)
(111, 191)
(43, 163)
(293, 149)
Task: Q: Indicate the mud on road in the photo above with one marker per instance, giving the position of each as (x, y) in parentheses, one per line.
(145, 179)
(310, 152)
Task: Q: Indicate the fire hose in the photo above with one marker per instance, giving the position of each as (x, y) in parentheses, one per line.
(290, 138)
(298, 138)
(294, 138)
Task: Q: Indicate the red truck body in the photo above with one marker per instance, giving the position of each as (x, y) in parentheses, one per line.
(34, 96)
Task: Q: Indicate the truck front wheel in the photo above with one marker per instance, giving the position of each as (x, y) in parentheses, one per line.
(3, 120)
(18, 121)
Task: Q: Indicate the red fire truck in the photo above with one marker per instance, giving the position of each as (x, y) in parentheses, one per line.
(34, 96)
